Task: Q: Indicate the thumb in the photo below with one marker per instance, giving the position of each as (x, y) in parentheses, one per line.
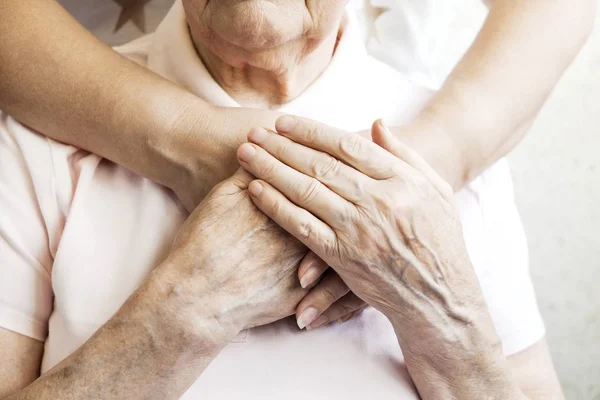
(382, 136)
(241, 178)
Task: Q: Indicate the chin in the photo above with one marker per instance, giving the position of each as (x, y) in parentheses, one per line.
(271, 59)
(253, 25)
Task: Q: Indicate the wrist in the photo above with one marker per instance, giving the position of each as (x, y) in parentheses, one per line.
(171, 133)
(468, 379)
(191, 151)
(435, 143)
(463, 356)
(194, 313)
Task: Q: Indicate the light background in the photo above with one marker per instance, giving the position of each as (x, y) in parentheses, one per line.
(557, 182)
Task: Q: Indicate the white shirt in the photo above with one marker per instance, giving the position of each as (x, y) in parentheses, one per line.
(78, 234)
(423, 39)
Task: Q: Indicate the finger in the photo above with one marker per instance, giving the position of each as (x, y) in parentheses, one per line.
(242, 177)
(314, 233)
(344, 307)
(311, 268)
(237, 182)
(384, 138)
(302, 190)
(358, 152)
(339, 177)
(320, 298)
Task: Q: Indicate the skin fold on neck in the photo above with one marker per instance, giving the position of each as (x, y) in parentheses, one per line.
(274, 77)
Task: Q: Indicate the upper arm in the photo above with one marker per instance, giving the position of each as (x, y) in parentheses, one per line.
(534, 372)
(20, 359)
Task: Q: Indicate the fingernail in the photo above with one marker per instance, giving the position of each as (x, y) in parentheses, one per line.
(255, 188)
(309, 277)
(346, 318)
(307, 317)
(246, 152)
(323, 319)
(285, 123)
(258, 135)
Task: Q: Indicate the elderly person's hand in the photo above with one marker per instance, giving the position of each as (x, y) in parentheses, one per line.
(388, 226)
(230, 268)
(329, 298)
(242, 257)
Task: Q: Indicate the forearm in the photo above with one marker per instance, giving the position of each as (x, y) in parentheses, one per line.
(223, 133)
(493, 95)
(448, 340)
(471, 367)
(144, 351)
(56, 77)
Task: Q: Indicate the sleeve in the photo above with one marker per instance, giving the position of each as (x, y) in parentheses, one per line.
(26, 298)
(505, 279)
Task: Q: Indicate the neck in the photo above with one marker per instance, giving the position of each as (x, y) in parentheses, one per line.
(274, 78)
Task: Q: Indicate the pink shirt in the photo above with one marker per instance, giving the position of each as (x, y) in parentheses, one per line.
(78, 234)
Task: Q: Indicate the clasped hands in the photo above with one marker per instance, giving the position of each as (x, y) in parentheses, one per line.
(373, 211)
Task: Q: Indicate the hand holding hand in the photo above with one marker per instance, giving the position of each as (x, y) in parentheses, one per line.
(329, 298)
(385, 222)
(233, 260)
(198, 153)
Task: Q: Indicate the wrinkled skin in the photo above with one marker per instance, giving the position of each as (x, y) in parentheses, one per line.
(265, 33)
(386, 223)
(250, 265)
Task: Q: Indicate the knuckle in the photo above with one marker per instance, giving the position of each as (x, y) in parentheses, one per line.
(325, 167)
(347, 215)
(311, 191)
(282, 149)
(276, 208)
(345, 308)
(359, 188)
(330, 248)
(329, 294)
(306, 229)
(268, 169)
(350, 145)
(312, 132)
